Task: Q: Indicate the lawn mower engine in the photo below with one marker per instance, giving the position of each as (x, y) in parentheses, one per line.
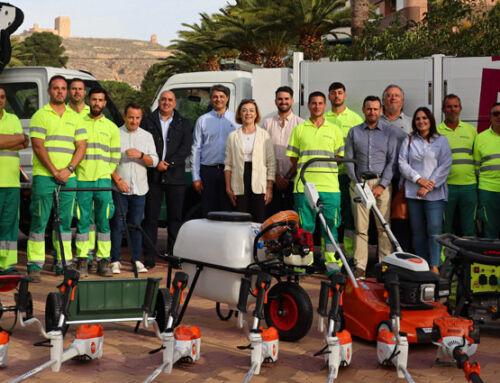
(418, 285)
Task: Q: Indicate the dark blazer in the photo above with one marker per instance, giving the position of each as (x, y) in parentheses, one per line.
(179, 139)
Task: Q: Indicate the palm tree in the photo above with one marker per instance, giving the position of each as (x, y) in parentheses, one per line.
(360, 13)
(309, 20)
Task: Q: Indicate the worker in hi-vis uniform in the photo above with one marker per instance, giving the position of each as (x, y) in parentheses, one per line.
(12, 139)
(58, 147)
(100, 161)
(462, 183)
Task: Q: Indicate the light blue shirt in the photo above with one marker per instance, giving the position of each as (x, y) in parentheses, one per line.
(428, 160)
(209, 140)
(165, 125)
(374, 151)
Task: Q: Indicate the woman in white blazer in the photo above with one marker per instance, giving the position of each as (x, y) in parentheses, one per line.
(249, 165)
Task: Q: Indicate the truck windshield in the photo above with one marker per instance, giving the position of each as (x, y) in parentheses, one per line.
(192, 102)
(22, 98)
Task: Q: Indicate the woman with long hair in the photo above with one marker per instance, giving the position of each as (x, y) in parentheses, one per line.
(425, 162)
(249, 165)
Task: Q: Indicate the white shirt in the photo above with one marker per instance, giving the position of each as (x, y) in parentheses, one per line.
(165, 125)
(280, 136)
(134, 171)
(248, 142)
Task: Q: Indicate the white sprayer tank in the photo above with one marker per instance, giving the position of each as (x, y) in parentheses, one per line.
(223, 243)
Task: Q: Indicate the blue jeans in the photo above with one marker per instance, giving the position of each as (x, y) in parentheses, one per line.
(134, 206)
(426, 221)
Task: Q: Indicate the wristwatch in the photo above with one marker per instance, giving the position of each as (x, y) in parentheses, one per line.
(71, 168)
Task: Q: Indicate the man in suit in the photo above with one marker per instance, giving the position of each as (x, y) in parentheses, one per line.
(172, 136)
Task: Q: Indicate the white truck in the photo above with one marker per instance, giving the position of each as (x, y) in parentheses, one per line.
(26, 89)
(476, 80)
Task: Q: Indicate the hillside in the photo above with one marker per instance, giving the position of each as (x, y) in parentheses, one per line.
(113, 59)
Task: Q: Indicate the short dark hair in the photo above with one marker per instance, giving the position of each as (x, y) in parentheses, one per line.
(335, 86)
(316, 94)
(57, 77)
(449, 97)
(220, 88)
(98, 89)
(433, 130)
(133, 105)
(76, 79)
(371, 98)
(494, 105)
(244, 102)
(286, 89)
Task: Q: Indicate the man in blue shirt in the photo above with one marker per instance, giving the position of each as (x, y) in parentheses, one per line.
(208, 151)
(373, 147)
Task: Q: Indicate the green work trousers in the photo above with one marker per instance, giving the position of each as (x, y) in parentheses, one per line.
(102, 201)
(489, 203)
(464, 199)
(331, 211)
(40, 209)
(9, 226)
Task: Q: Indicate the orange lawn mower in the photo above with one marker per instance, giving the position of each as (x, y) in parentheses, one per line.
(400, 306)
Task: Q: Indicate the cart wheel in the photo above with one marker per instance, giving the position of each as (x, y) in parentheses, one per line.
(219, 313)
(162, 308)
(29, 305)
(290, 310)
(53, 306)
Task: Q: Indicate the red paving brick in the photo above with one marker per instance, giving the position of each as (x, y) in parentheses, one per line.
(126, 357)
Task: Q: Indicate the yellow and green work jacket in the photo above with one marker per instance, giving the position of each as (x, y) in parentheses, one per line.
(306, 142)
(83, 112)
(59, 134)
(487, 158)
(9, 159)
(103, 149)
(462, 146)
(345, 121)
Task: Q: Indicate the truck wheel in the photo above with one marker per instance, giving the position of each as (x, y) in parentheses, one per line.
(53, 308)
(290, 310)
(162, 308)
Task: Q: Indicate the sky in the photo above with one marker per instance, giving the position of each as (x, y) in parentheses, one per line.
(119, 19)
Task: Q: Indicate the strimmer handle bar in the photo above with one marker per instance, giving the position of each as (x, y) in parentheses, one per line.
(261, 286)
(68, 287)
(392, 287)
(336, 287)
(22, 300)
(178, 285)
(243, 297)
(148, 296)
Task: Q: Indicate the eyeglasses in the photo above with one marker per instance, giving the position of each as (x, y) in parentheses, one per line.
(496, 113)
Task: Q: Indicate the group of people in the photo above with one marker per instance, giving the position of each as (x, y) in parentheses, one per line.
(238, 165)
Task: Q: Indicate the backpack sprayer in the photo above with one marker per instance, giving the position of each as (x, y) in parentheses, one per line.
(179, 344)
(264, 343)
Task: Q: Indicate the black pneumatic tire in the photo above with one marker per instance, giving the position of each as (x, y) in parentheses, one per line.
(289, 310)
(53, 306)
(162, 308)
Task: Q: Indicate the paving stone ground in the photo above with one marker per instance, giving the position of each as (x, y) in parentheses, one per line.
(126, 357)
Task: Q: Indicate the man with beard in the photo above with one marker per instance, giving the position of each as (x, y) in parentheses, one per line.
(345, 119)
(280, 127)
(373, 147)
(100, 161)
(393, 116)
(462, 185)
(314, 138)
(58, 147)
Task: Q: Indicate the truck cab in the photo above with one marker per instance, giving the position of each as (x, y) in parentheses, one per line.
(26, 89)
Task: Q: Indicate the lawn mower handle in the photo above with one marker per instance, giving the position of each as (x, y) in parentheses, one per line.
(321, 159)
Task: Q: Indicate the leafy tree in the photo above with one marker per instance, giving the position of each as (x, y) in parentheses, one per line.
(42, 48)
(120, 92)
(16, 51)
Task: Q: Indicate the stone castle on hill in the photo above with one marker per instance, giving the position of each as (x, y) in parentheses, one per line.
(107, 59)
